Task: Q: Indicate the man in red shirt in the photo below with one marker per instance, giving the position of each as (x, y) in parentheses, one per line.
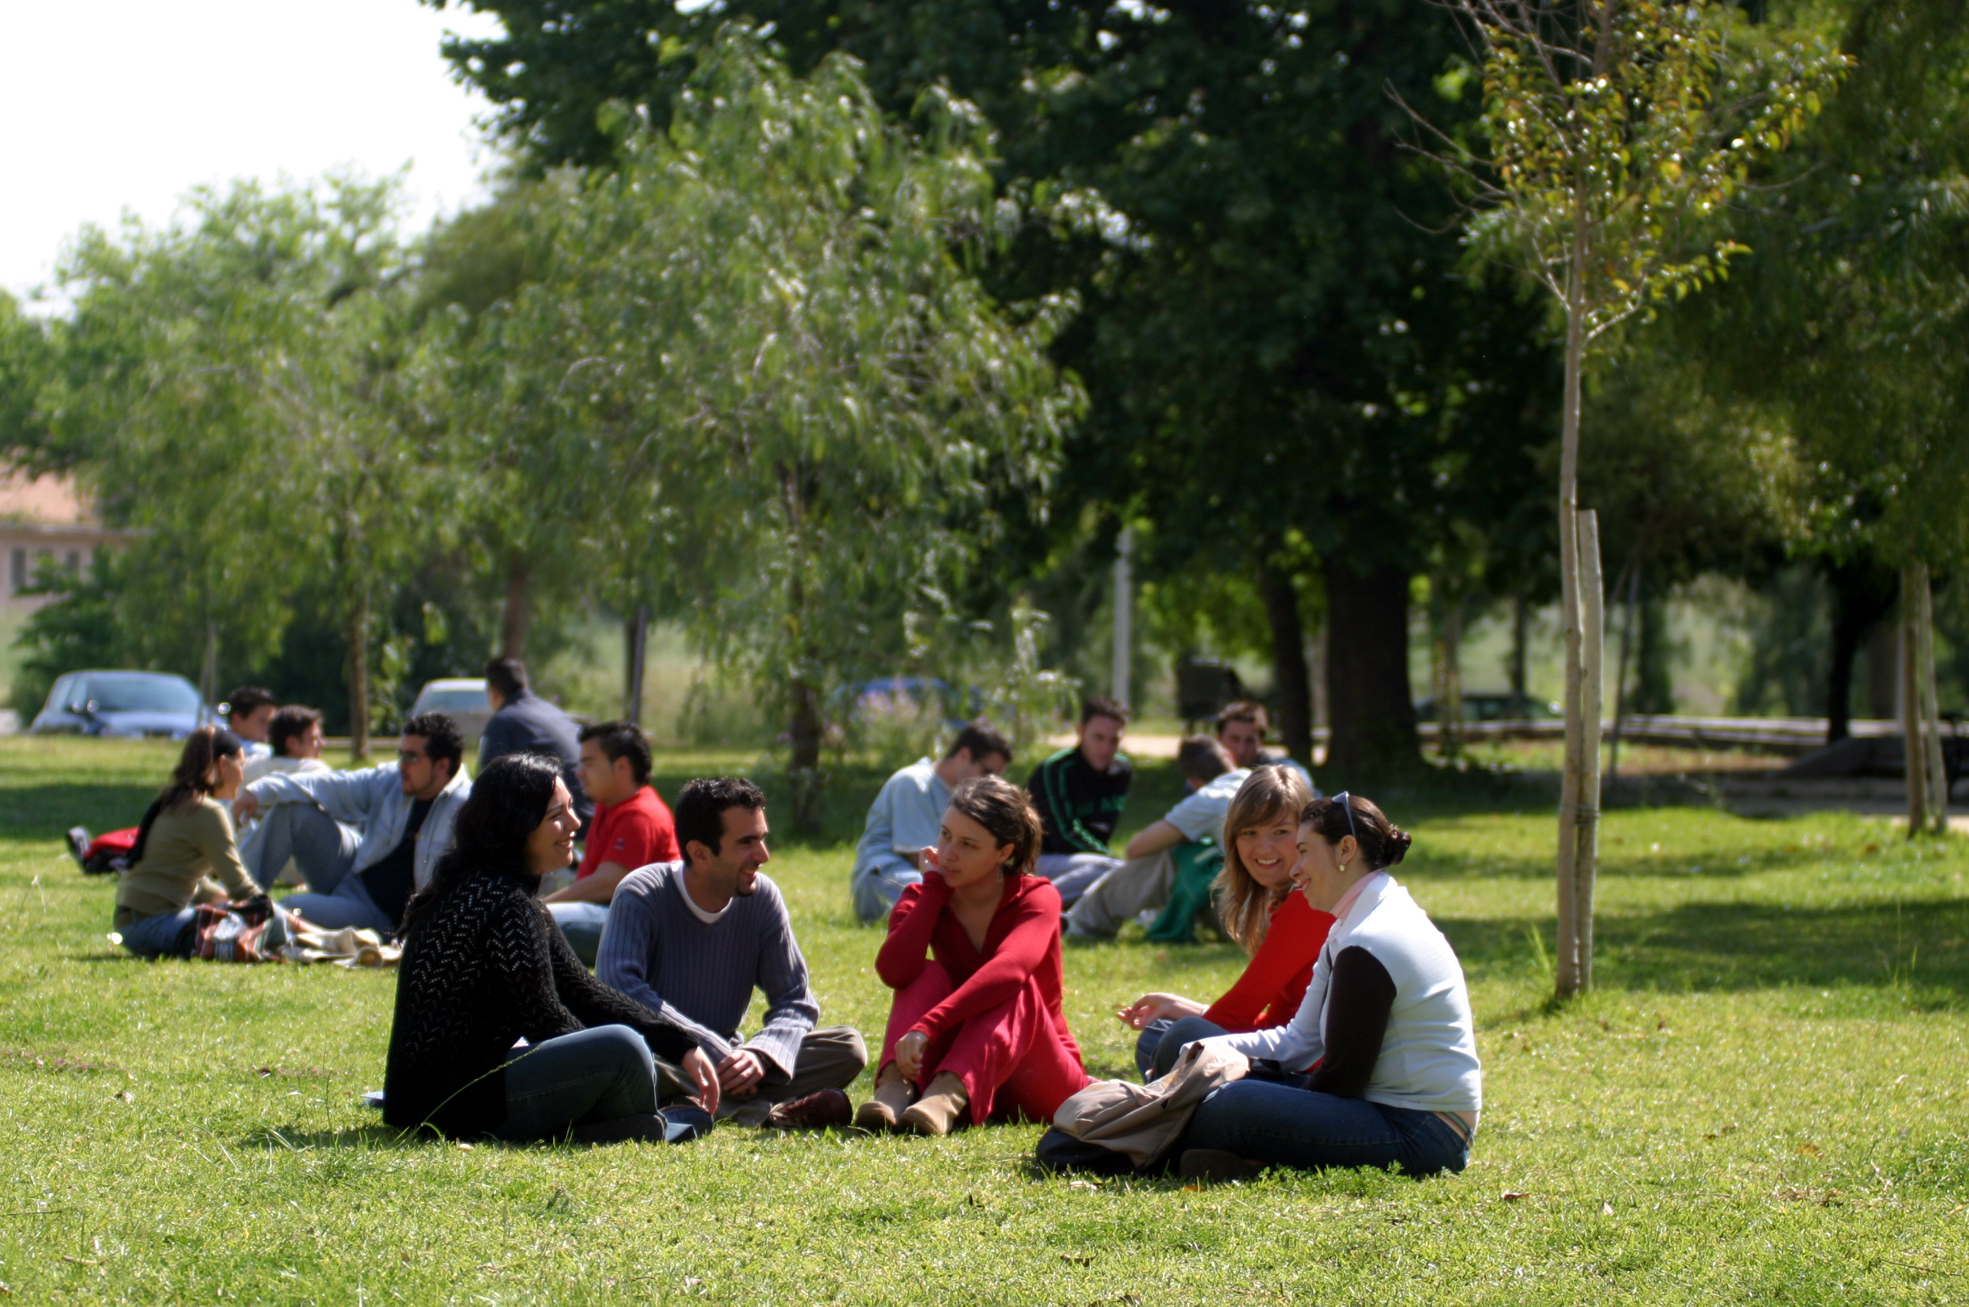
(632, 828)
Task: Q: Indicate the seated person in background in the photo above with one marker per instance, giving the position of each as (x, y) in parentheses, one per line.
(973, 953)
(1079, 794)
(1241, 728)
(1261, 909)
(1386, 1016)
(632, 828)
(904, 819)
(1143, 882)
(296, 740)
(249, 713)
(523, 722)
(484, 967)
(690, 940)
(184, 841)
(364, 840)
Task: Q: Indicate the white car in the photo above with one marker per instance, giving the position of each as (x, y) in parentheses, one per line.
(461, 698)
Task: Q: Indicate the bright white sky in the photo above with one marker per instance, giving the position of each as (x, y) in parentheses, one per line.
(114, 105)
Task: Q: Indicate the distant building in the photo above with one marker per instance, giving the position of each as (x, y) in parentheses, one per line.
(43, 520)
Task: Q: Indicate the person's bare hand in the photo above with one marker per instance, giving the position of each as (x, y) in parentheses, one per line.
(705, 1077)
(926, 862)
(1151, 1008)
(244, 808)
(909, 1054)
(740, 1073)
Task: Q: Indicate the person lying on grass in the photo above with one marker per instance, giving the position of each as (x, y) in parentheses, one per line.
(973, 953)
(184, 843)
(1260, 909)
(1386, 1016)
(484, 966)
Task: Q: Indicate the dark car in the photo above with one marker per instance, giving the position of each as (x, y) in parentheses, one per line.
(122, 704)
(1497, 708)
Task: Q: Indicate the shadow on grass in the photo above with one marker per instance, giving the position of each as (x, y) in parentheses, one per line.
(43, 812)
(1738, 947)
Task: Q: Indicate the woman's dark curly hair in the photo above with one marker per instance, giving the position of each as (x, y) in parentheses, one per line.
(509, 800)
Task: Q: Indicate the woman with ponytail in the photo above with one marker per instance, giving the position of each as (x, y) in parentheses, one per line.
(1386, 1018)
(184, 843)
(484, 966)
(973, 954)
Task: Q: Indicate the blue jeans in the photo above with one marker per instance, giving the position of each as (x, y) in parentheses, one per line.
(875, 891)
(594, 1075)
(1073, 874)
(1284, 1126)
(583, 924)
(323, 849)
(169, 935)
(349, 905)
(1162, 1043)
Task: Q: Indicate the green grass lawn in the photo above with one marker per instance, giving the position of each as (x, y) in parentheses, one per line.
(1766, 1101)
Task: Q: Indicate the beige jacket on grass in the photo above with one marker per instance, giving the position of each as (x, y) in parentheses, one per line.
(187, 843)
(1142, 1122)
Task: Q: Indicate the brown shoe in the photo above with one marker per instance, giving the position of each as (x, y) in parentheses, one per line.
(875, 1116)
(820, 1110)
(941, 1109)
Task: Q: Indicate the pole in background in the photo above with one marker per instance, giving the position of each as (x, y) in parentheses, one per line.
(1124, 615)
(638, 655)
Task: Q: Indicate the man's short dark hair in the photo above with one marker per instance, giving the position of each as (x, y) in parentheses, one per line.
(700, 809)
(290, 723)
(505, 677)
(249, 699)
(1101, 706)
(983, 740)
(1244, 710)
(1202, 759)
(441, 736)
(619, 740)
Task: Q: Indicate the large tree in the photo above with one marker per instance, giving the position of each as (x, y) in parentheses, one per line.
(1275, 351)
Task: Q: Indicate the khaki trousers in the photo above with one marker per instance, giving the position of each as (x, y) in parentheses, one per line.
(830, 1058)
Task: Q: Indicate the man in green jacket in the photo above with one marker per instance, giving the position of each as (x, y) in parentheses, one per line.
(1080, 794)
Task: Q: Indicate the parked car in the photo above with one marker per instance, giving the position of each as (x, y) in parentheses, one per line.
(1497, 708)
(461, 698)
(122, 704)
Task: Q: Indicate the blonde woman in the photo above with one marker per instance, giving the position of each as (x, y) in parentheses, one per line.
(1262, 911)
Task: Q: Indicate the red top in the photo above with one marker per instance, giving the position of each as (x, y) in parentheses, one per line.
(1022, 943)
(1278, 973)
(635, 832)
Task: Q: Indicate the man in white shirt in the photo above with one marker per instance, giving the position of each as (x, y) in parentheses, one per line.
(907, 814)
(295, 737)
(249, 715)
(1144, 880)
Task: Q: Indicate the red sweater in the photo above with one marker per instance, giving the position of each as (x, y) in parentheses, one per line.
(1021, 944)
(1278, 973)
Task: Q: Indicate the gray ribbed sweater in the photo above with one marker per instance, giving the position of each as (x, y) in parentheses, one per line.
(701, 977)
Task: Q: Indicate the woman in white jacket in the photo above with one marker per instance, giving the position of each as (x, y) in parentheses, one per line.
(1386, 1018)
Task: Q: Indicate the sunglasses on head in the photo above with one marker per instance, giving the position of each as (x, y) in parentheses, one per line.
(1348, 808)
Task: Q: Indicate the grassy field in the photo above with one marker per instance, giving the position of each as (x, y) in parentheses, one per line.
(1766, 1101)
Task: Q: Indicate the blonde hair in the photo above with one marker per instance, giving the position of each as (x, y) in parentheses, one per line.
(1272, 793)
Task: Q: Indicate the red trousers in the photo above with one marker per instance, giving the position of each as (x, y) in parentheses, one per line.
(1015, 1058)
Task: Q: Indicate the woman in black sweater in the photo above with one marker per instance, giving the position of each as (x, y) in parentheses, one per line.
(484, 965)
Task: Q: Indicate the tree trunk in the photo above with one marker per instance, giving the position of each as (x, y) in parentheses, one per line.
(1290, 676)
(513, 622)
(208, 666)
(356, 632)
(1620, 674)
(1862, 597)
(1373, 713)
(1566, 970)
(1921, 726)
(1514, 668)
(1592, 648)
(636, 658)
(1447, 668)
(1883, 671)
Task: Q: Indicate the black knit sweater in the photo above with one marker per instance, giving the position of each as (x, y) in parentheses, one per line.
(481, 967)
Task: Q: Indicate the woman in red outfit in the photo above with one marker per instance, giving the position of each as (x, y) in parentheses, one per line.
(1260, 910)
(973, 954)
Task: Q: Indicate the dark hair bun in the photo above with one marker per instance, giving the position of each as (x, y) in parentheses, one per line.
(1395, 845)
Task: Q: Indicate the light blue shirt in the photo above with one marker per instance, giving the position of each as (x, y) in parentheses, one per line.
(1200, 816)
(372, 800)
(905, 817)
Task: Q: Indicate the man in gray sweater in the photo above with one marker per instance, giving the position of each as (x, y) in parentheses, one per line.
(690, 940)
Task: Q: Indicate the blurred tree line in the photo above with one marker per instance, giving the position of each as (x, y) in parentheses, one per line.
(809, 322)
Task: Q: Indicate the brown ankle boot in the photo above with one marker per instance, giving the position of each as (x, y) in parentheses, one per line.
(892, 1098)
(941, 1109)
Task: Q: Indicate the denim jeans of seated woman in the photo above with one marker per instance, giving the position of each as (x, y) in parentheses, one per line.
(590, 1076)
(168, 935)
(1280, 1125)
(1162, 1041)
